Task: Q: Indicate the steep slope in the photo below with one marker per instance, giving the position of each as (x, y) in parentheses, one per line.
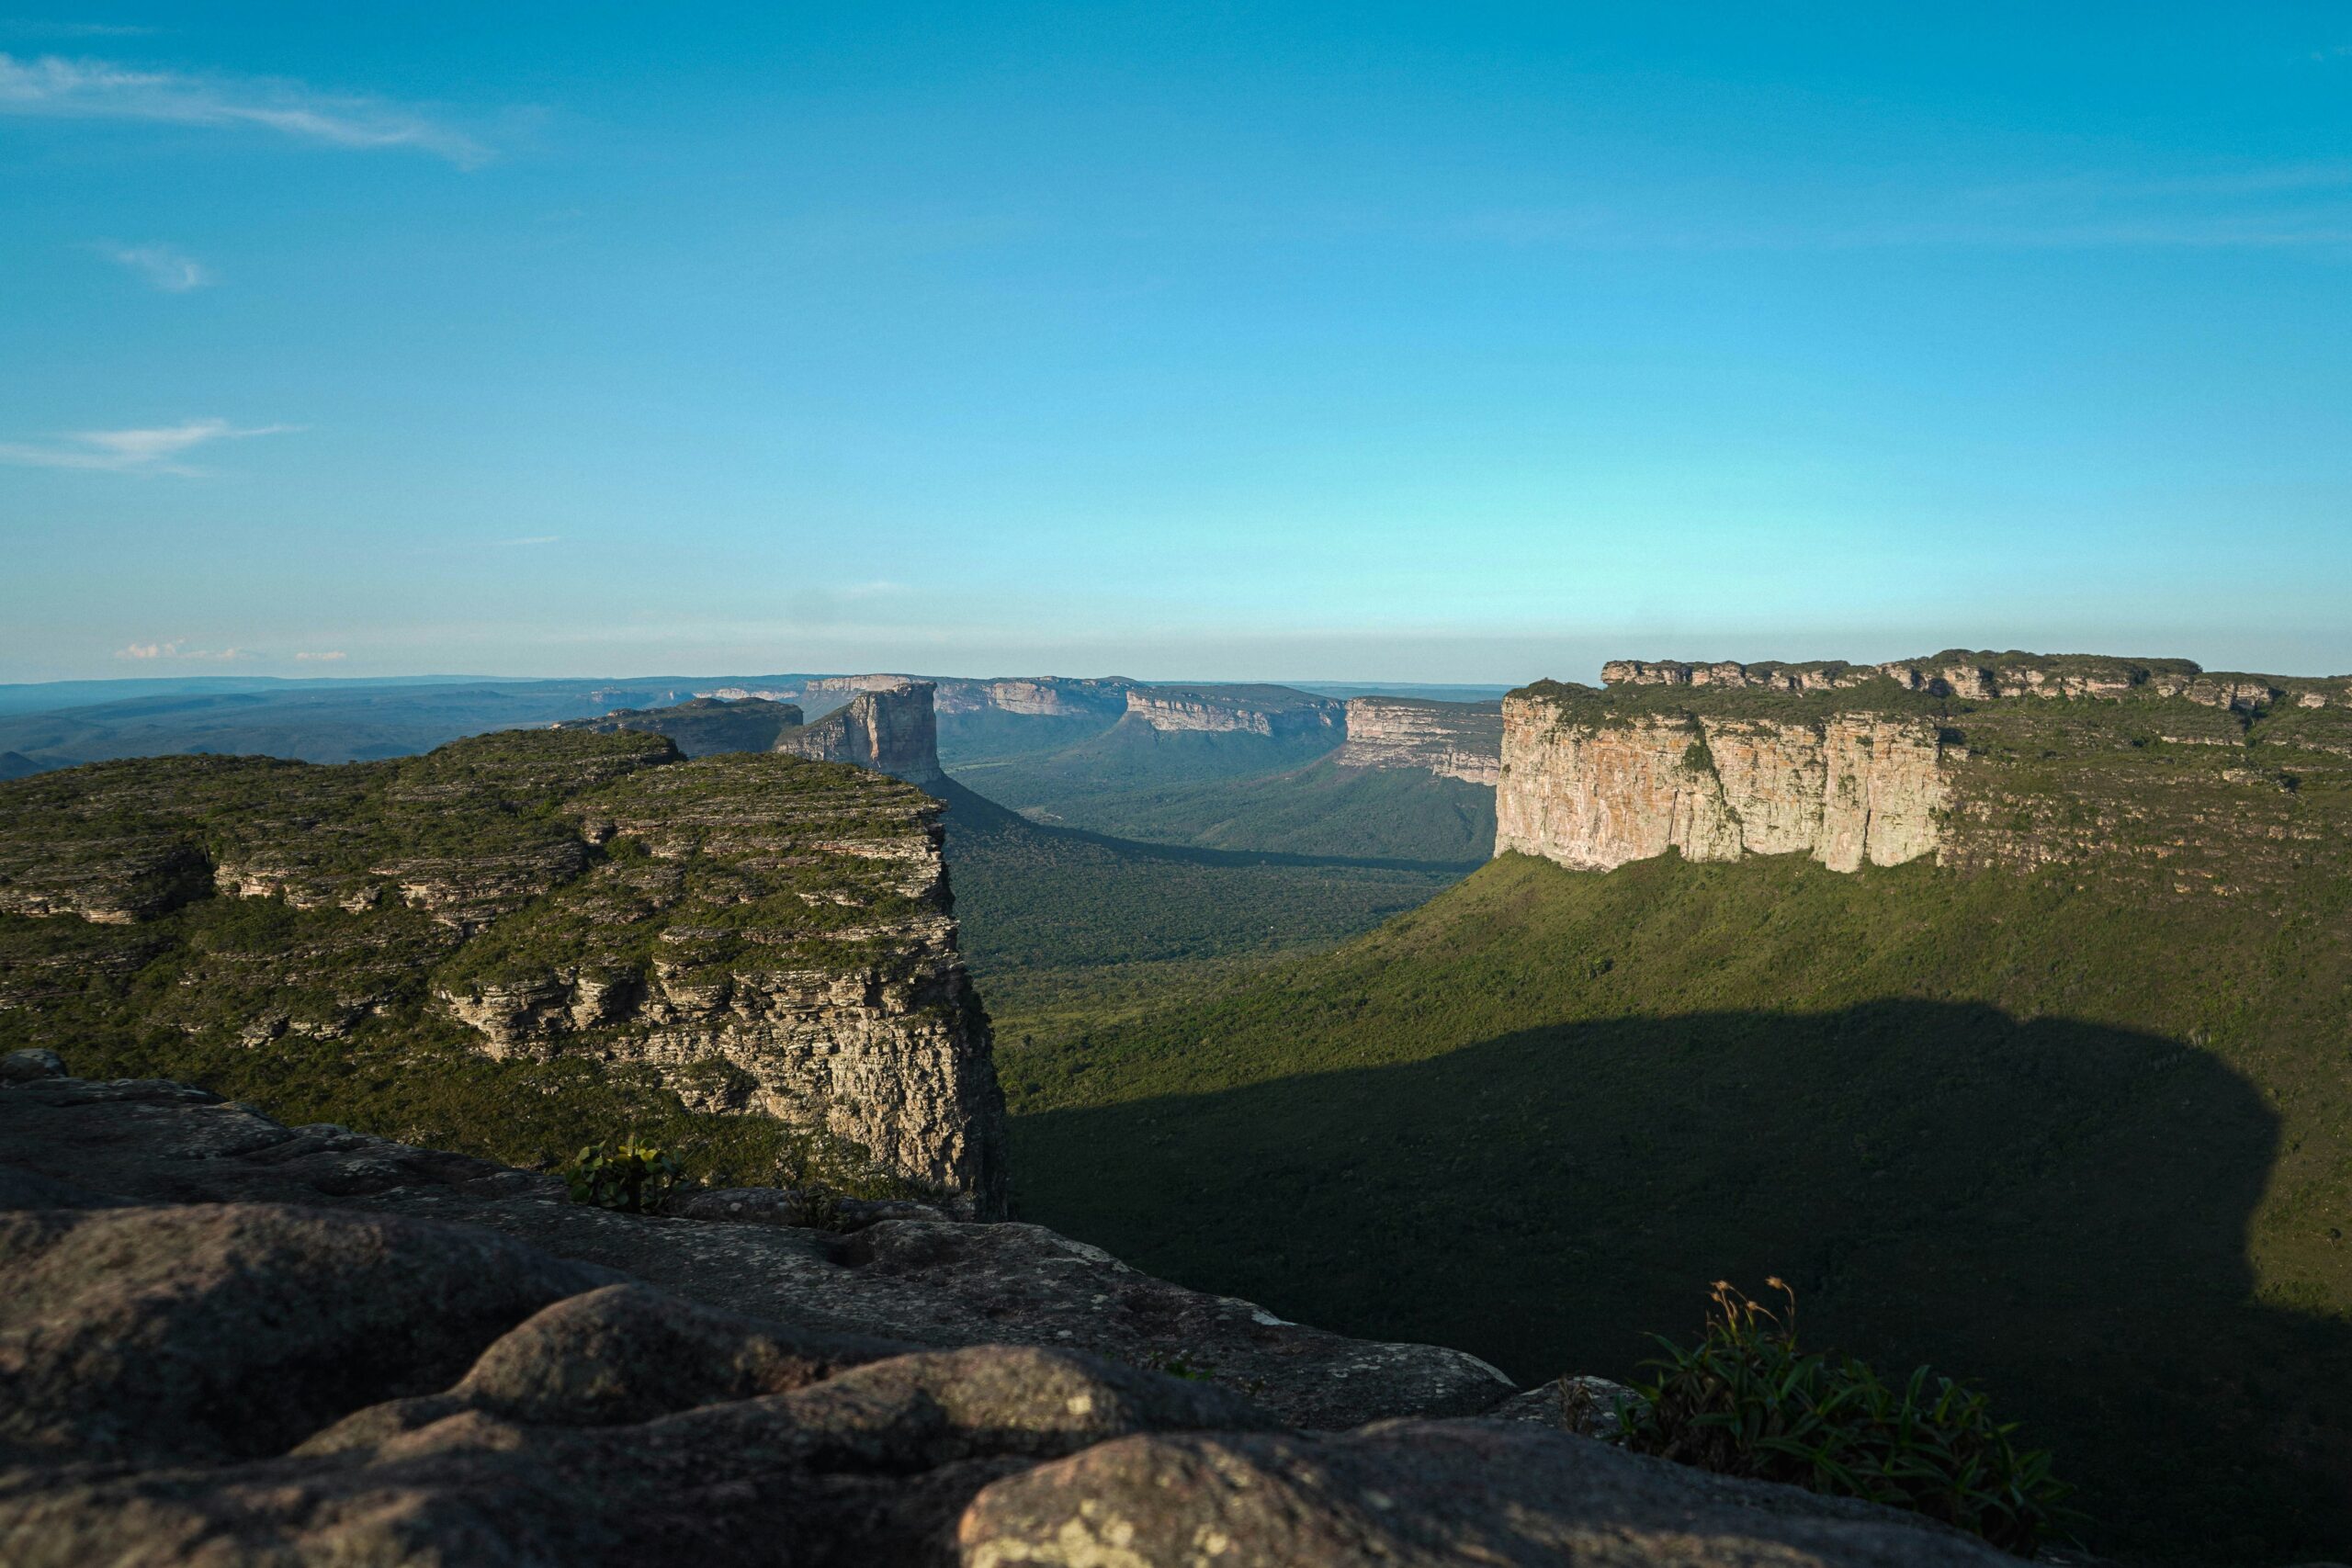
(518, 943)
(2060, 1103)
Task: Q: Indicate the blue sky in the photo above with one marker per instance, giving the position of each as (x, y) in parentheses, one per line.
(1435, 343)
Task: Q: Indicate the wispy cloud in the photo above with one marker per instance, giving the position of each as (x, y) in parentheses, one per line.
(24, 26)
(328, 657)
(132, 451)
(178, 648)
(173, 271)
(53, 87)
(530, 539)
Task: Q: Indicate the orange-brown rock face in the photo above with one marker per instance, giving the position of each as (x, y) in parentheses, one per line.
(1851, 789)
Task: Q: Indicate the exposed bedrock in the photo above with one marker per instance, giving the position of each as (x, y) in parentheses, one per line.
(1455, 740)
(1594, 795)
(1276, 711)
(892, 730)
(311, 1363)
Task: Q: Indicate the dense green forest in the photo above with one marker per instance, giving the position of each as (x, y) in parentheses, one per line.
(2094, 1150)
(1320, 809)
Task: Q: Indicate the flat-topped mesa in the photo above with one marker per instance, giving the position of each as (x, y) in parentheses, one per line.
(1276, 711)
(1830, 676)
(758, 933)
(1455, 740)
(1984, 676)
(890, 729)
(1594, 793)
(1043, 697)
(705, 725)
(821, 685)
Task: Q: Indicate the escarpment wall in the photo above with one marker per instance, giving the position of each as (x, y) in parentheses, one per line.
(893, 731)
(1277, 712)
(1455, 740)
(1596, 794)
(1987, 676)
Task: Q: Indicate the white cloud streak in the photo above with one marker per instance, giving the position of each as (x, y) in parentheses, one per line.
(152, 451)
(173, 271)
(328, 657)
(53, 87)
(178, 648)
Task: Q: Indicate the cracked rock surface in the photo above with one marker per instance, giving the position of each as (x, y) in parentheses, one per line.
(230, 1342)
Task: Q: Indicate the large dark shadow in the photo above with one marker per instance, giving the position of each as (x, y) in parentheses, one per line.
(2057, 1210)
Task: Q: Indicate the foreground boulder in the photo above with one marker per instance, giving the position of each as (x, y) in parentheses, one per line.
(932, 1282)
(227, 1342)
(1422, 1495)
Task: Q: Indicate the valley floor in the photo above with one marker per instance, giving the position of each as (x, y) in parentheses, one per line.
(2090, 1151)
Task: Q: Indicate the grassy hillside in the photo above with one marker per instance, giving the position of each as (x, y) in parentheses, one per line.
(1320, 809)
(2090, 1147)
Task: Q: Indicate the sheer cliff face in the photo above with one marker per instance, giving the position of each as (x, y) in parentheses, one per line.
(1455, 740)
(1271, 711)
(1594, 795)
(1045, 697)
(892, 730)
(763, 934)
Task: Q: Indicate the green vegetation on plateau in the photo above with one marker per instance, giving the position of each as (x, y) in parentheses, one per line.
(371, 889)
(2090, 1146)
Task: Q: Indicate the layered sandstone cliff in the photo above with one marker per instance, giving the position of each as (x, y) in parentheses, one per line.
(1043, 696)
(1274, 710)
(1455, 740)
(1988, 676)
(760, 933)
(891, 730)
(1596, 792)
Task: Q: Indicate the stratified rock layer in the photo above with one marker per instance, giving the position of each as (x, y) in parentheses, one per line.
(761, 933)
(891, 730)
(1454, 741)
(1593, 794)
(1276, 711)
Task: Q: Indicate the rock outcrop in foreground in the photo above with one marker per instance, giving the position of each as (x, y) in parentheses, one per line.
(2152, 768)
(233, 1342)
(758, 933)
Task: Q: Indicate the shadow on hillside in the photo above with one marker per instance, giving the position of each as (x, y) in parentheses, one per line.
(2054, 1209)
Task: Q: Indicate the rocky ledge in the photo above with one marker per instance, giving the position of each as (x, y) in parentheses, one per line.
(755, 936)
(234, 1342)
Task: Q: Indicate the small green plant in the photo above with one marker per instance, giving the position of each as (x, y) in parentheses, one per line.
(1745, 1401)
(630, 1177)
